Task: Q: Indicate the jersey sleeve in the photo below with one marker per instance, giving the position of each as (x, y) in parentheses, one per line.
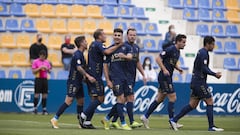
(78, 60)
(204, 63)
(165, 53)
(101, 48)
(34, 64)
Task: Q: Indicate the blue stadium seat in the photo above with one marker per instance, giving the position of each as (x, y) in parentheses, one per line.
(188, 78)
(189, 14)
(177, 4)
(231, 47)
(28, 25)
(122, 25)
(62, 75)
(217, 31)
(125, 3)
(218, 4)
(238, 79)
(177, 78)
(160, 43)
(182, 63)
(2, 74)
(138, 12)
(189, 4)
(29, 74)
(2, 28)
(51, 75)
(219, 48)
(139, 27)
(230, 64)
(152, 29)
(124, 12)
(110, 2)
(3, 10)
(54, 2)
(232, 31)
(15, 74)
(80, 2)
(239, 63)
(16, 10)
(202, 30)
(95, 2)
(204, 4)
(12, 25)
(204, 15)
(35, 1)
(67, 2)
(20, 1)
(108, 11)
(150, 45)
(219, 16)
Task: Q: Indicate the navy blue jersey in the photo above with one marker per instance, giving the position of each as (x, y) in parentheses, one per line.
(75, 77)
(95, 59)
(200, 68)
(170, 58)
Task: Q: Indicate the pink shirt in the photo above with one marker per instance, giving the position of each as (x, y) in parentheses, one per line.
(38, 63)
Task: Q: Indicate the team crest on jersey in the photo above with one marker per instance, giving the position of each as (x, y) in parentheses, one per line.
(205, 61)
(124, 48)
(104, 46)
(79, 61)
(163, 52)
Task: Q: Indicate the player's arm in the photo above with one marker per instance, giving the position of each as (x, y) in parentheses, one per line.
(85, 74)
(140, 69)
(129, 56)
(161, 65)
(69, 51)
(206, 69)
(178, 68)
(111, 49)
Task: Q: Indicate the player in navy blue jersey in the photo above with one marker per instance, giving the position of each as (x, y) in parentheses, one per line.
(199, 87)
(116, 77)
(74, 82)
(167, 60)
(96, 53)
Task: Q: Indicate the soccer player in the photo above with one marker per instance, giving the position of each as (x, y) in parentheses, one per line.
(96, 52)
(116, 77)
(199, 86)
(74, 82)
(167, 60)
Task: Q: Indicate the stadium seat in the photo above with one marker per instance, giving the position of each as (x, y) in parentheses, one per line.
(95, 2)
(150, 45)
(233, 16)
(204, 15)
(27, 25)
(188, 78)
(47, 10)
(219, 15)
(182, 63)
(32, 10)
(62, 11)
(218, 4)
(110, 2)
(202, 30)
(239, 63)
(12, 25)
(94, 11)
(23, 41)
(7, 41)
(51, 75)
(78, 11)
(138, 12)
(21, 1)
(16, 10)
(177, 4)
(29, 74)
(2, 74)
(36, 1)
(59, 26)
(43, 25)
(177, 78)
(125, 3)
(139, 27)
(5, 59)
(124, 12)
(232, 4)
(238, 79)
(15, 74)
(62, 75)
(160, 43)
(189, 4)
(109, 12)
(67, 2)
(55, 41)
(152, 29)
(4, 10)
(230, 64)
(107, 26)
(232, 31)
(204, 4)
(52, 2)
(218, 49)
(121, 25)
(54, 59)
(74, 26)
(89, 26)
(231, 47)
(217, 31)
(189, 14)
(2, 28)
(20, 59)
(80, 2)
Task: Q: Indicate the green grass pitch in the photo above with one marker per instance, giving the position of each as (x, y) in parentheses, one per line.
(29, 124)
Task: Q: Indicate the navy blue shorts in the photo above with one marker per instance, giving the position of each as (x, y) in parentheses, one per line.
(165, 84)
(121, 87)
(95, 89)
(74, 90)
(41, 85)
(200, 91)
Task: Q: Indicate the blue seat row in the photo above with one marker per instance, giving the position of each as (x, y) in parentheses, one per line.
(231, 64)
(12, 25)
(15, 10)
(229, 47)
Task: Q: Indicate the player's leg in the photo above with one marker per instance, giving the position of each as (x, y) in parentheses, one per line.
(80, 103)
(171, 100)
(37, 90)
(44, 96)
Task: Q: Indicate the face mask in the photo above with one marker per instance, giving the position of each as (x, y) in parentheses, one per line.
(172, 30)
(40, 40)
(147, 62)
(67, 41)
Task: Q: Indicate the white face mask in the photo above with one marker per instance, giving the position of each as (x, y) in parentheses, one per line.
(147, 62)
(172, 30)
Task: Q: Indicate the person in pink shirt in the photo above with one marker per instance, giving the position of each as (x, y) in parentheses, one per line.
(40, 68)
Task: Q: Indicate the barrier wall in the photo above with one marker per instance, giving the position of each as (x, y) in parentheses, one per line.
(16, 95)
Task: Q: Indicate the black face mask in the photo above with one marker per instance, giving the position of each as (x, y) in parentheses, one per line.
(40, 40)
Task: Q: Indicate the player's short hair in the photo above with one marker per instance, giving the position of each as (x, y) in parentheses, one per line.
(97, 33)
(78, 40)
(130, 29)
(179, 37)
(208, 40)
(43, 52)
(118, 30)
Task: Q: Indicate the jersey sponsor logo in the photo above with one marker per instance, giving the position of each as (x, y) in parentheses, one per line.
(163, 53)
(205, 62)
(79, 61)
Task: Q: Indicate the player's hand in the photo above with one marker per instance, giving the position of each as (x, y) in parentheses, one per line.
(180, 71)
(218, 75)
(109, 84)
(166, 72)
(145, 80)
(91, 79)
(121, 55)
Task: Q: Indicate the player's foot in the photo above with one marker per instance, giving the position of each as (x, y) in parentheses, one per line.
(35, 111)
(45, 112)
(105, 124)
(89, 126)
(81, 121)
(115, 125)
(179, 125)
(173, 125)
(126, 127)
(214, 128)
(54, 123)
(135, 124)
(145, 121)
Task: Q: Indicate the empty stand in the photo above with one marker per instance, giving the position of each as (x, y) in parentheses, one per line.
(138, 12)
(150, 45)
(219, 15)
(15, 74)
(2, 28)
(2, 74)
(189, 4)
(27, 25)
(47, 10)
(230, 64)
(4, 10)
(67, 2)
(32, 10)
(232, 31)
(125, 3)
(74, 26)
(5, 59)
(218, 4)
(59, 26)
(55, 41)
(50, 2)
(188, 78)
(23, 41)
(177, 78)
(139, 27)
(190, 15)
(16, 10)
(21, 1)
(202, 30)
(109, 12)
(89, 26)
(29, 74)
(94, 11)
(110, 2)
(43, 25)
(121, 25)
(182, 63)
(12, 25)
(95, 2)
(233, 16)
(152, 29)
(218, 49)
(107, 26)
(204, 4)
(62, 11)
(80, 2)
(231, 47)
(78, 11)
(232, 4)
(217, 31)
(177, 4)
(7, 41)
(204, 15)
(54, 59)
(124, 12)
(20, 59)
(35, 1)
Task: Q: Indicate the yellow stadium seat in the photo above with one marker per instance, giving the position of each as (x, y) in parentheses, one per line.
(59, 26)
(5, 59)
(20, 59)
(62, 11)
(43, 25)
(55, 41)
(232, 16)
(74, 26)
(23, 41)
(78, 11)
(232, 5)
(55, 59)
(32, 10)
(7, 41)
(94, 11)
(107, 26)
(47, 10)
(89, 26)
